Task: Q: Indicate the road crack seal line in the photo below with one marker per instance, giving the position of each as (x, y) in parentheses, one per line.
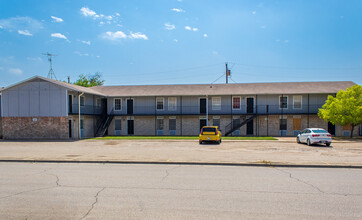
(299, 180)
(167, 173)
(94, 203)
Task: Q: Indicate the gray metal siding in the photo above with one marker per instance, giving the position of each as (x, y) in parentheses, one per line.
(35, 98)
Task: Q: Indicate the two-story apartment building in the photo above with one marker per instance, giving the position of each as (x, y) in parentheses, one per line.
(46, 108)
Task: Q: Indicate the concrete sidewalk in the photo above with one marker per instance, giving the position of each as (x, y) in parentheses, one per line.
(284, 152)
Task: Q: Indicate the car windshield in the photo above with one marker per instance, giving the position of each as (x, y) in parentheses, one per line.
(319, 131)
(208, 130)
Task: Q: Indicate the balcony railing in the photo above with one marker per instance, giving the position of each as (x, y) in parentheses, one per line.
(219, 110)
(85, 110)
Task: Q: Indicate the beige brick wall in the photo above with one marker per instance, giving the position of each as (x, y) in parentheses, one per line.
(89, 125)
(144, 125)
(35, 127)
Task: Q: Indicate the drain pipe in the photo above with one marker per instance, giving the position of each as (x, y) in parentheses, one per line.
(207, 110)
(79, 133)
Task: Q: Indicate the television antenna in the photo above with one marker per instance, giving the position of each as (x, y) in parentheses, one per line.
(51, 73)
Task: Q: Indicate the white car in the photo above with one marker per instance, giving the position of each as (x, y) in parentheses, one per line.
(314, 136)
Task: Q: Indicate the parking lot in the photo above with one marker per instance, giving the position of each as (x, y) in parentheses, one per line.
(283, 151)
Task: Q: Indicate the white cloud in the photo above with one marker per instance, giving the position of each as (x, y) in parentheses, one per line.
(215, 53)
(205, 35)
(286, 41)
(138, 35)
(254, 12)
(263, 27)
(169, 26)
(178, 10)
(21, 23)
(86, 42)
(81, 54)
(59, 35)
(108, 17)
(87, 12)
(56, 19)
(191, 29)
(179, 0)
(175, 40)
(121, 35)
(98, 56)
(15, 71)
(114, 35)
(117, 14)
(38, 59)
(25, 32)
(101, 23)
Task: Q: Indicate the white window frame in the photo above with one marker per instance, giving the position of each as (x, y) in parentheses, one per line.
(172, 107)
(301, 101)
(163, 103)
(82, 97)
(233, 102)
(284, 96)
(216, 107)
(114, 104)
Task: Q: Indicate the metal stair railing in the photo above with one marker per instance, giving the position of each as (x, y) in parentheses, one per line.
(232, 126)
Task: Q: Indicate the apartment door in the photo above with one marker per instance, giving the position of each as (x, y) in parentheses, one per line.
(70, 103)
(203, 106)
(202, 123)
(70, 130)
(129, 106)
(331, 128)
(250, 105)
(130, 127)
(297, 124)
(250, 127)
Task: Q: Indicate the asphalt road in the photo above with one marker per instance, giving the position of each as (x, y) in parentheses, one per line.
(120, 191)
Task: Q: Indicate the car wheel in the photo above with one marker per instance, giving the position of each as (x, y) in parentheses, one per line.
(219, 141)
(308, 142)
(298, 141)
(200, 142)
(328, 144)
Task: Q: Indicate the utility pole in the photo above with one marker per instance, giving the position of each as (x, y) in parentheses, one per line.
(227, 73)
(51, 73)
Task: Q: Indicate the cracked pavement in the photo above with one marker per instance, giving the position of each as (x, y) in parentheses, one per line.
(120, 191)
(284, 152)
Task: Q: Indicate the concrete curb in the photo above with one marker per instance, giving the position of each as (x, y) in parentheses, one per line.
(188, 163)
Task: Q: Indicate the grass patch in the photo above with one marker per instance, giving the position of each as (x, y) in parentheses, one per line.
(175, 138)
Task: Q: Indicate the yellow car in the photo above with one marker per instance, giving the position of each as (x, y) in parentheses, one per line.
(210, 134)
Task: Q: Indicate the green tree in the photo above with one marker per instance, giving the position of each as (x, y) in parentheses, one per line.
(345, 108)
(90, 80)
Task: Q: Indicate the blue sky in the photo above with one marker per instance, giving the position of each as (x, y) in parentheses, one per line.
(182, 41)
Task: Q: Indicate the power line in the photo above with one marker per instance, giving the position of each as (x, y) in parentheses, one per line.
(300, 68)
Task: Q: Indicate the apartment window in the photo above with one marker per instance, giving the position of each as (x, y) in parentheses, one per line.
(172, 103)
(297, 101)
(117, 124)
(159, 103)
(283, 102)
(236, 103)
(81, 123)
(172, 124)
(283, 124)
(117, 104)
(159, 123)
(216, 103)
(216, 121)
(82, 101)
(98, 102)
